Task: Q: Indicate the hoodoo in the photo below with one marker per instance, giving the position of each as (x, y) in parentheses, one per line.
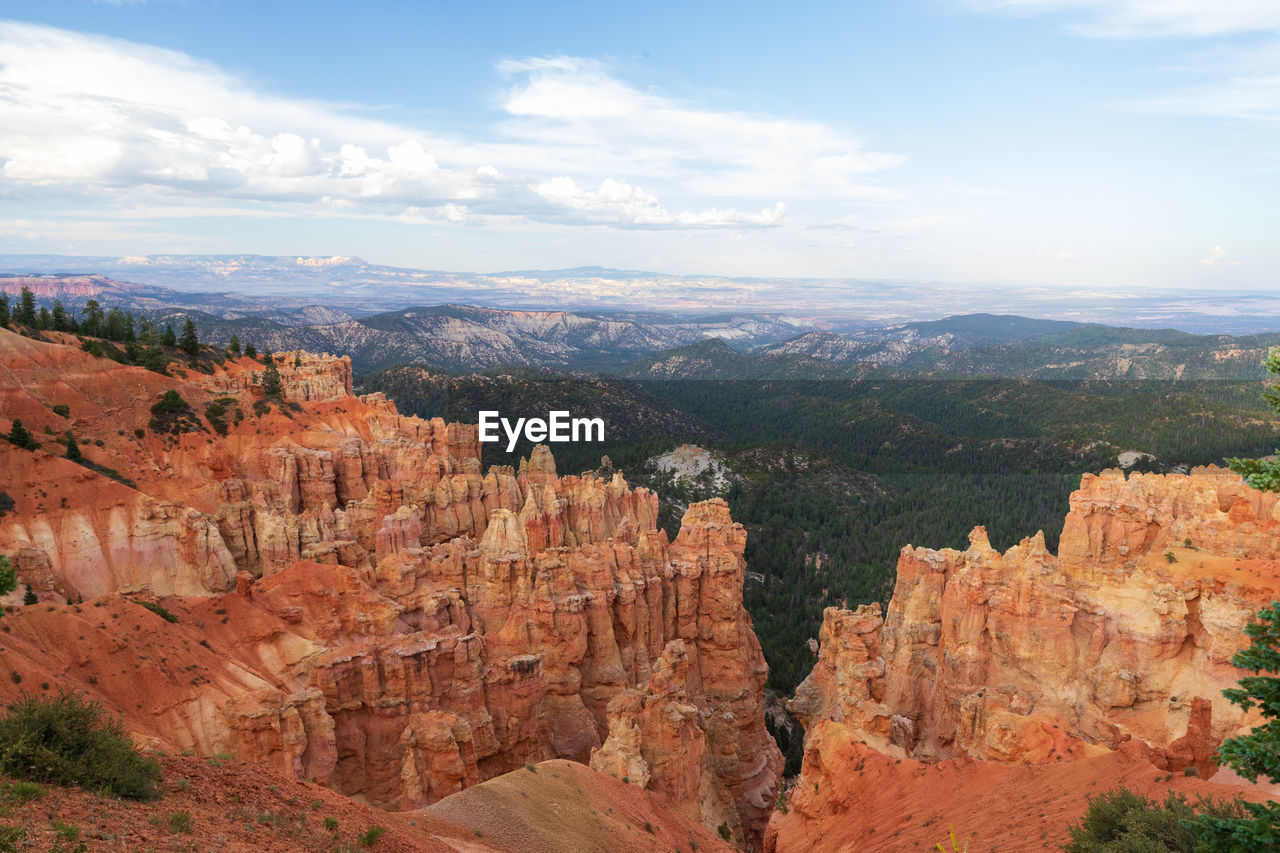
(1116, 649)
(358, 603)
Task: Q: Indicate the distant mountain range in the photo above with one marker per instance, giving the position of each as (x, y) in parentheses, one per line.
(1079, 352)
(359, 288)
(669, 345)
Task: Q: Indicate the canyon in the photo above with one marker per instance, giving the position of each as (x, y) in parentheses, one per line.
(334, 592)
(314, 588)
(1026, 672)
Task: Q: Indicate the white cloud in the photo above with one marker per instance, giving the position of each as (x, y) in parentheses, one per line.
(575, 108)
(618, 201)
(1217, 257)
(88, 117)
(1127, 18)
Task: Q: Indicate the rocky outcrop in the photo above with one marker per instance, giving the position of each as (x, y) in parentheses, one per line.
(1127, 634)
(380, 614)
(1120, 644)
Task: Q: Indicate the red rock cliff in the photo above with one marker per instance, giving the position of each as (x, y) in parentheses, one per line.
(1122, 641)
(363, 605)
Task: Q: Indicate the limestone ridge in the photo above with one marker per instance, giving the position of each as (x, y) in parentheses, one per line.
(1122, 641)
(378, 614)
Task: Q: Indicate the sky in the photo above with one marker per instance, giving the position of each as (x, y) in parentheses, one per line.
(1062, 143)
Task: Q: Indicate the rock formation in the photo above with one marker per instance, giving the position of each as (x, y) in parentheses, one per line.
(1122, 641)
(359, 604)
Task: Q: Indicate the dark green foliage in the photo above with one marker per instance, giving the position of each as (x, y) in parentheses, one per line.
(789, 737)
(62, 321)
(62, 411)
(297, 359)
(12, 838)
(6, 503)
(19, 436)
(1121, 821)
(158, 610)
(93, 318)
(151, 357)
(215, 412)
(171, 403)
(190, 340)
(118, 326)
(1263, 474)
(851, 471)
(73, 449)
(171, 414)
(29, 597)
(27, 308)
(233, 346)
(44, 320)
(271, 377)
(169, 338)
(250, 350)
(371, 836)
(4, 309)
(68, 740)
(8, 577)
(1256, 753)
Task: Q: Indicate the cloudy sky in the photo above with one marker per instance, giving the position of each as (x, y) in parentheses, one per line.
(1047, 142)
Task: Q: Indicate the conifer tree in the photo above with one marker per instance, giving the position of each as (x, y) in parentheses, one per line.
(1256, 753)
(250, 350)
(190, 341)
(27, 308)
(43, 319)
(30, 597)
(271, 378)
(234, 345)
(59, 316)
(93, 317)
(73, 449)
(170, 339)
(20, 437)
(4, 309)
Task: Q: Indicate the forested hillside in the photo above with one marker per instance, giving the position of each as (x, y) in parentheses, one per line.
(832, 478)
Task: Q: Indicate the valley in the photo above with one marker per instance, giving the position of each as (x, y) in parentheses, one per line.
(348, 589)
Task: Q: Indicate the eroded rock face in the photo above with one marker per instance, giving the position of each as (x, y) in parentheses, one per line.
(376, 612)
(1126, 635)
(1113, 653)
(458, 662)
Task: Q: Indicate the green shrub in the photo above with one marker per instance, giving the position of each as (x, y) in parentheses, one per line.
(1121, 820)
(22, 792)
(331, 824)
(8, 577)
(180, 822)
(68, 740)
(11, 837)
(371, 836)
(158, 610)
(170, 404)
(64, 411)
